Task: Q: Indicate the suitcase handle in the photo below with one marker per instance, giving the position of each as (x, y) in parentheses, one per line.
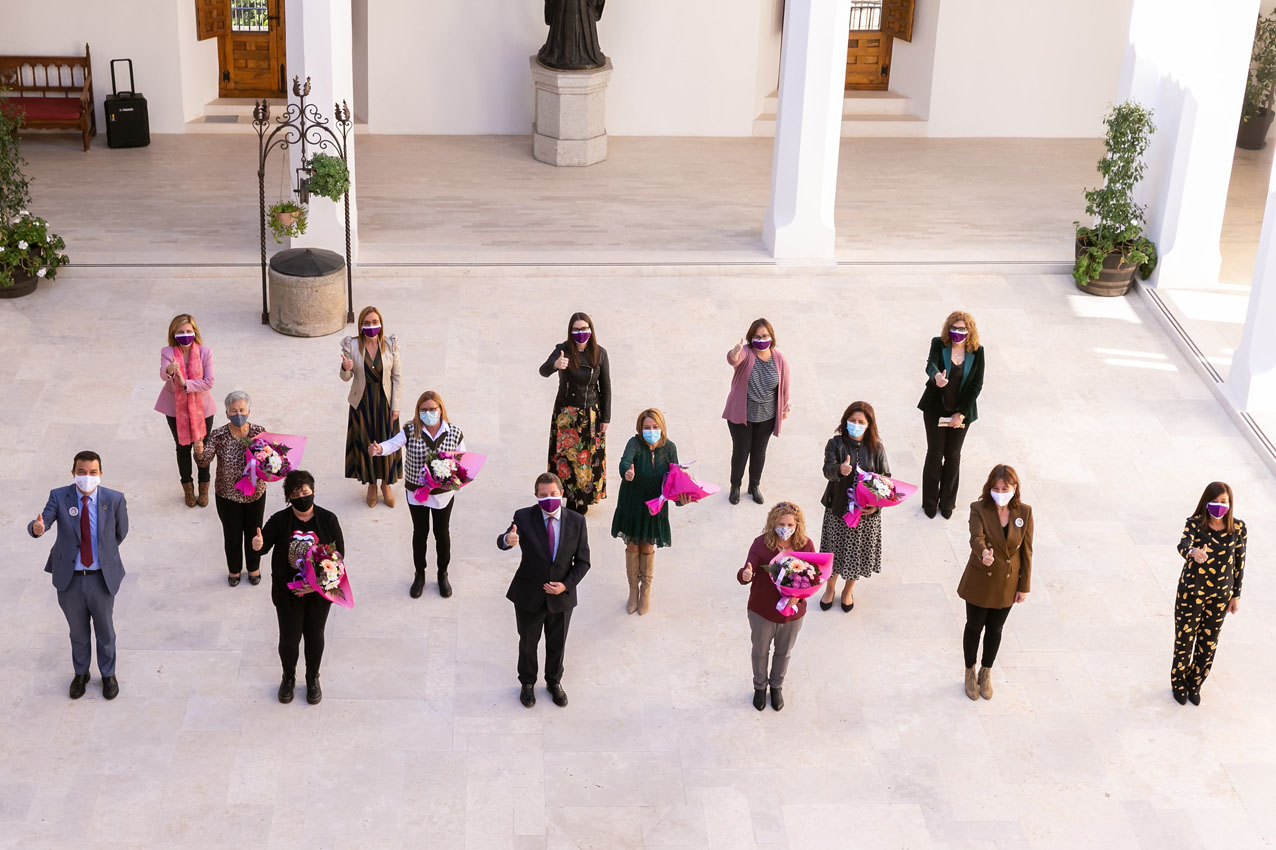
(131, 90)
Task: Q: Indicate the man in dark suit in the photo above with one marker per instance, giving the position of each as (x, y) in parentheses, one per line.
(85, 562)
(555, 557)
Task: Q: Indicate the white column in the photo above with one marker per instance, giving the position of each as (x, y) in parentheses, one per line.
(1251, 383)
(320, 46)
(1188, 63)
(808, 130)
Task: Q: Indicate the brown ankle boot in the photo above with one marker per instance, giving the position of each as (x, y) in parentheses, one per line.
(631, 573)
(972, 689)
(985, 682)
(188, 490)
(646, 572)
(202, 499)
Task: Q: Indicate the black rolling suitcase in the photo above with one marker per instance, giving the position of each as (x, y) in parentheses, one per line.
(127, 123)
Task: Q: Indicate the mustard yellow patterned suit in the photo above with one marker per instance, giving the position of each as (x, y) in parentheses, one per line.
(1201, 602)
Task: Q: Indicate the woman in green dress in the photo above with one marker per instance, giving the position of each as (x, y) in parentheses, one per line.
(642, 468)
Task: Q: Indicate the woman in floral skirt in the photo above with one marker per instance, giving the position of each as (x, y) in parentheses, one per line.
(582, 409)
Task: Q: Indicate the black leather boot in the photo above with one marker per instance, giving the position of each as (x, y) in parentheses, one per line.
(314, 693)
(418, 585)
(445, 586)
(286, 686)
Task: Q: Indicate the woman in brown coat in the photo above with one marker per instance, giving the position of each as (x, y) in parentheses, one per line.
(998, 571)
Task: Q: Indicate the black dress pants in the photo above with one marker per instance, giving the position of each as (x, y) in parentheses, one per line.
(530, 624)
(748, 443)
(942, 471)
(240, 521)
(300, 616)
(990, 622)
(184, 452)
(421, 516)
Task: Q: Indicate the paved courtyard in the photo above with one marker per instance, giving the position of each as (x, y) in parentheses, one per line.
(420, 740)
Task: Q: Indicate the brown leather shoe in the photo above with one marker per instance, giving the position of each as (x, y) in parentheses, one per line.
(985, 682)
(387, 495)
(372, 495)
(188, 490)
(202, 499)
(972, 688)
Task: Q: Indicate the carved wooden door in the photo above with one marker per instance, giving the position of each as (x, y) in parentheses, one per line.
(250, 40)
(874, 26)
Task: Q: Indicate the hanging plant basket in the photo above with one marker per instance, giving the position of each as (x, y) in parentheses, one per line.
(287, 218)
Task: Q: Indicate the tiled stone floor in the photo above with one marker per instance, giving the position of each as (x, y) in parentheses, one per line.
(421, 742)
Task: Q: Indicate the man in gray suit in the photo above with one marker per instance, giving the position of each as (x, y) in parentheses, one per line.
(85, 562)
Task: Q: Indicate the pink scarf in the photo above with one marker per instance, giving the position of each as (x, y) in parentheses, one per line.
(190, 407)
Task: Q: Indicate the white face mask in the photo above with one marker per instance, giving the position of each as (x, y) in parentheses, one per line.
(87, 483)
(1003, 499)
(784, 532)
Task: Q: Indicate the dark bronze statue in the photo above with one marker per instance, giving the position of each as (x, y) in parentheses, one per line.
(573, 35)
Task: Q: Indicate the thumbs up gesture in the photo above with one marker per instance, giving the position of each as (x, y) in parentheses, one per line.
(629, 474)
(374, 449)
(747, 575)
(257, 541)
(511, 536)
(941, 379)
(346, 363)
(987, 558)
(561, 362)
(1201, 554)
(846, 467)
(37, 527)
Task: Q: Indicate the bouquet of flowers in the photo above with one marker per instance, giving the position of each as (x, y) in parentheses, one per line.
(444, 472)
(322, 570)
(269, 457)
(680, 482)
(873, 490)
(798, 575)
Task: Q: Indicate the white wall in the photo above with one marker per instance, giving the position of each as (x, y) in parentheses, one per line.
(768, 65)
(1036, 68)
(359, 57)
(913, 62)
(169, 65)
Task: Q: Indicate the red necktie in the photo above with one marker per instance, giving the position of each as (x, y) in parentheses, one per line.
(549, 529)
(86, 534)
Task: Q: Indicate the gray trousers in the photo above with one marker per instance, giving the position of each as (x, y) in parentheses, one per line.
(87, 603)
(765, 632)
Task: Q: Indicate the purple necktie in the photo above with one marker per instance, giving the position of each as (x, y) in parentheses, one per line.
(86, 534)
(549, 529)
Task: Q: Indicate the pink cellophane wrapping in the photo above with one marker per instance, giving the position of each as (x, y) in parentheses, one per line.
(680, 482)
(823, 561)
(341, 595)
(296, 446)
(866, 498)
(469, 462)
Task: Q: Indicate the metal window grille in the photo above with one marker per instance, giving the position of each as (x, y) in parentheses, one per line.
(866, 15)
(249, 16)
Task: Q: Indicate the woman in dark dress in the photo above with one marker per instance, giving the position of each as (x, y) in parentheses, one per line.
(372, 364)
(1213, 549)
(582, 409)
(642, 468)
(954, 378)
(290, 533)
(572, 44)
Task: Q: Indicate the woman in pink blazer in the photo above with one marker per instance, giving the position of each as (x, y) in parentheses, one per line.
(186, 368)
(757, 404)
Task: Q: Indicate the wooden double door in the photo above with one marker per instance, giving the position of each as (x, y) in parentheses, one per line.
(251, 47)
(875, 24)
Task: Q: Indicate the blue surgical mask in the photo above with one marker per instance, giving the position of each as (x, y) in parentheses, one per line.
(856, 429)
(238, 419)
(651, 435)
(784, 532)
(430, 417)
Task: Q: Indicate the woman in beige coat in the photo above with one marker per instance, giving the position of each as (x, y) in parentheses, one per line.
(372, 364)
(998, 571)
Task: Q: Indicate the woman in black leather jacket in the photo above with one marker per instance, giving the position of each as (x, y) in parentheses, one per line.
(582, 409)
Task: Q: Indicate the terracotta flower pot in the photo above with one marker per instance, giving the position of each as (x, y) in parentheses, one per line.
(23, 284)
(286, 219)
(1115, 279)
(1252, 135)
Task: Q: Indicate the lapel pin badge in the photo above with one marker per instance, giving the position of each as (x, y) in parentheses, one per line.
(1018, 522)
(74, 511)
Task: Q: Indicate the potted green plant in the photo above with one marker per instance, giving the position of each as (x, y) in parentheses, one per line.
(29, 251)
(1257, 112)
(1114, 248)
(328, 176)
(287, 218)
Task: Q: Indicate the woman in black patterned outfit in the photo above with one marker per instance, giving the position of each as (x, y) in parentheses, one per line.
(582, 409)
(372, 364)
(857, 552)
(1213, 548)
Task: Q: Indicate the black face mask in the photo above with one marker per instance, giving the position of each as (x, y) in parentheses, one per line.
(301, 504)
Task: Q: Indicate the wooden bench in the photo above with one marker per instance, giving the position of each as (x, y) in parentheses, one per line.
(50, 92)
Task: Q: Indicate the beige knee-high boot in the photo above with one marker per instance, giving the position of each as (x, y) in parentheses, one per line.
(646, 572)
(631, 572)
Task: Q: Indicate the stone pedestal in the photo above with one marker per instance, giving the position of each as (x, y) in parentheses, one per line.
(307, 291)
(571, 110)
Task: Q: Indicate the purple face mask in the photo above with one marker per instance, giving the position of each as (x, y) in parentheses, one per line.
(761, 344)
(580, 337)
(956, 335)
(550, 504)
(184, 339)
(1218, 510)
(370, 332)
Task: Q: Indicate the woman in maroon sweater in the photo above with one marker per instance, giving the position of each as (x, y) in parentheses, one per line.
(785, 530)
